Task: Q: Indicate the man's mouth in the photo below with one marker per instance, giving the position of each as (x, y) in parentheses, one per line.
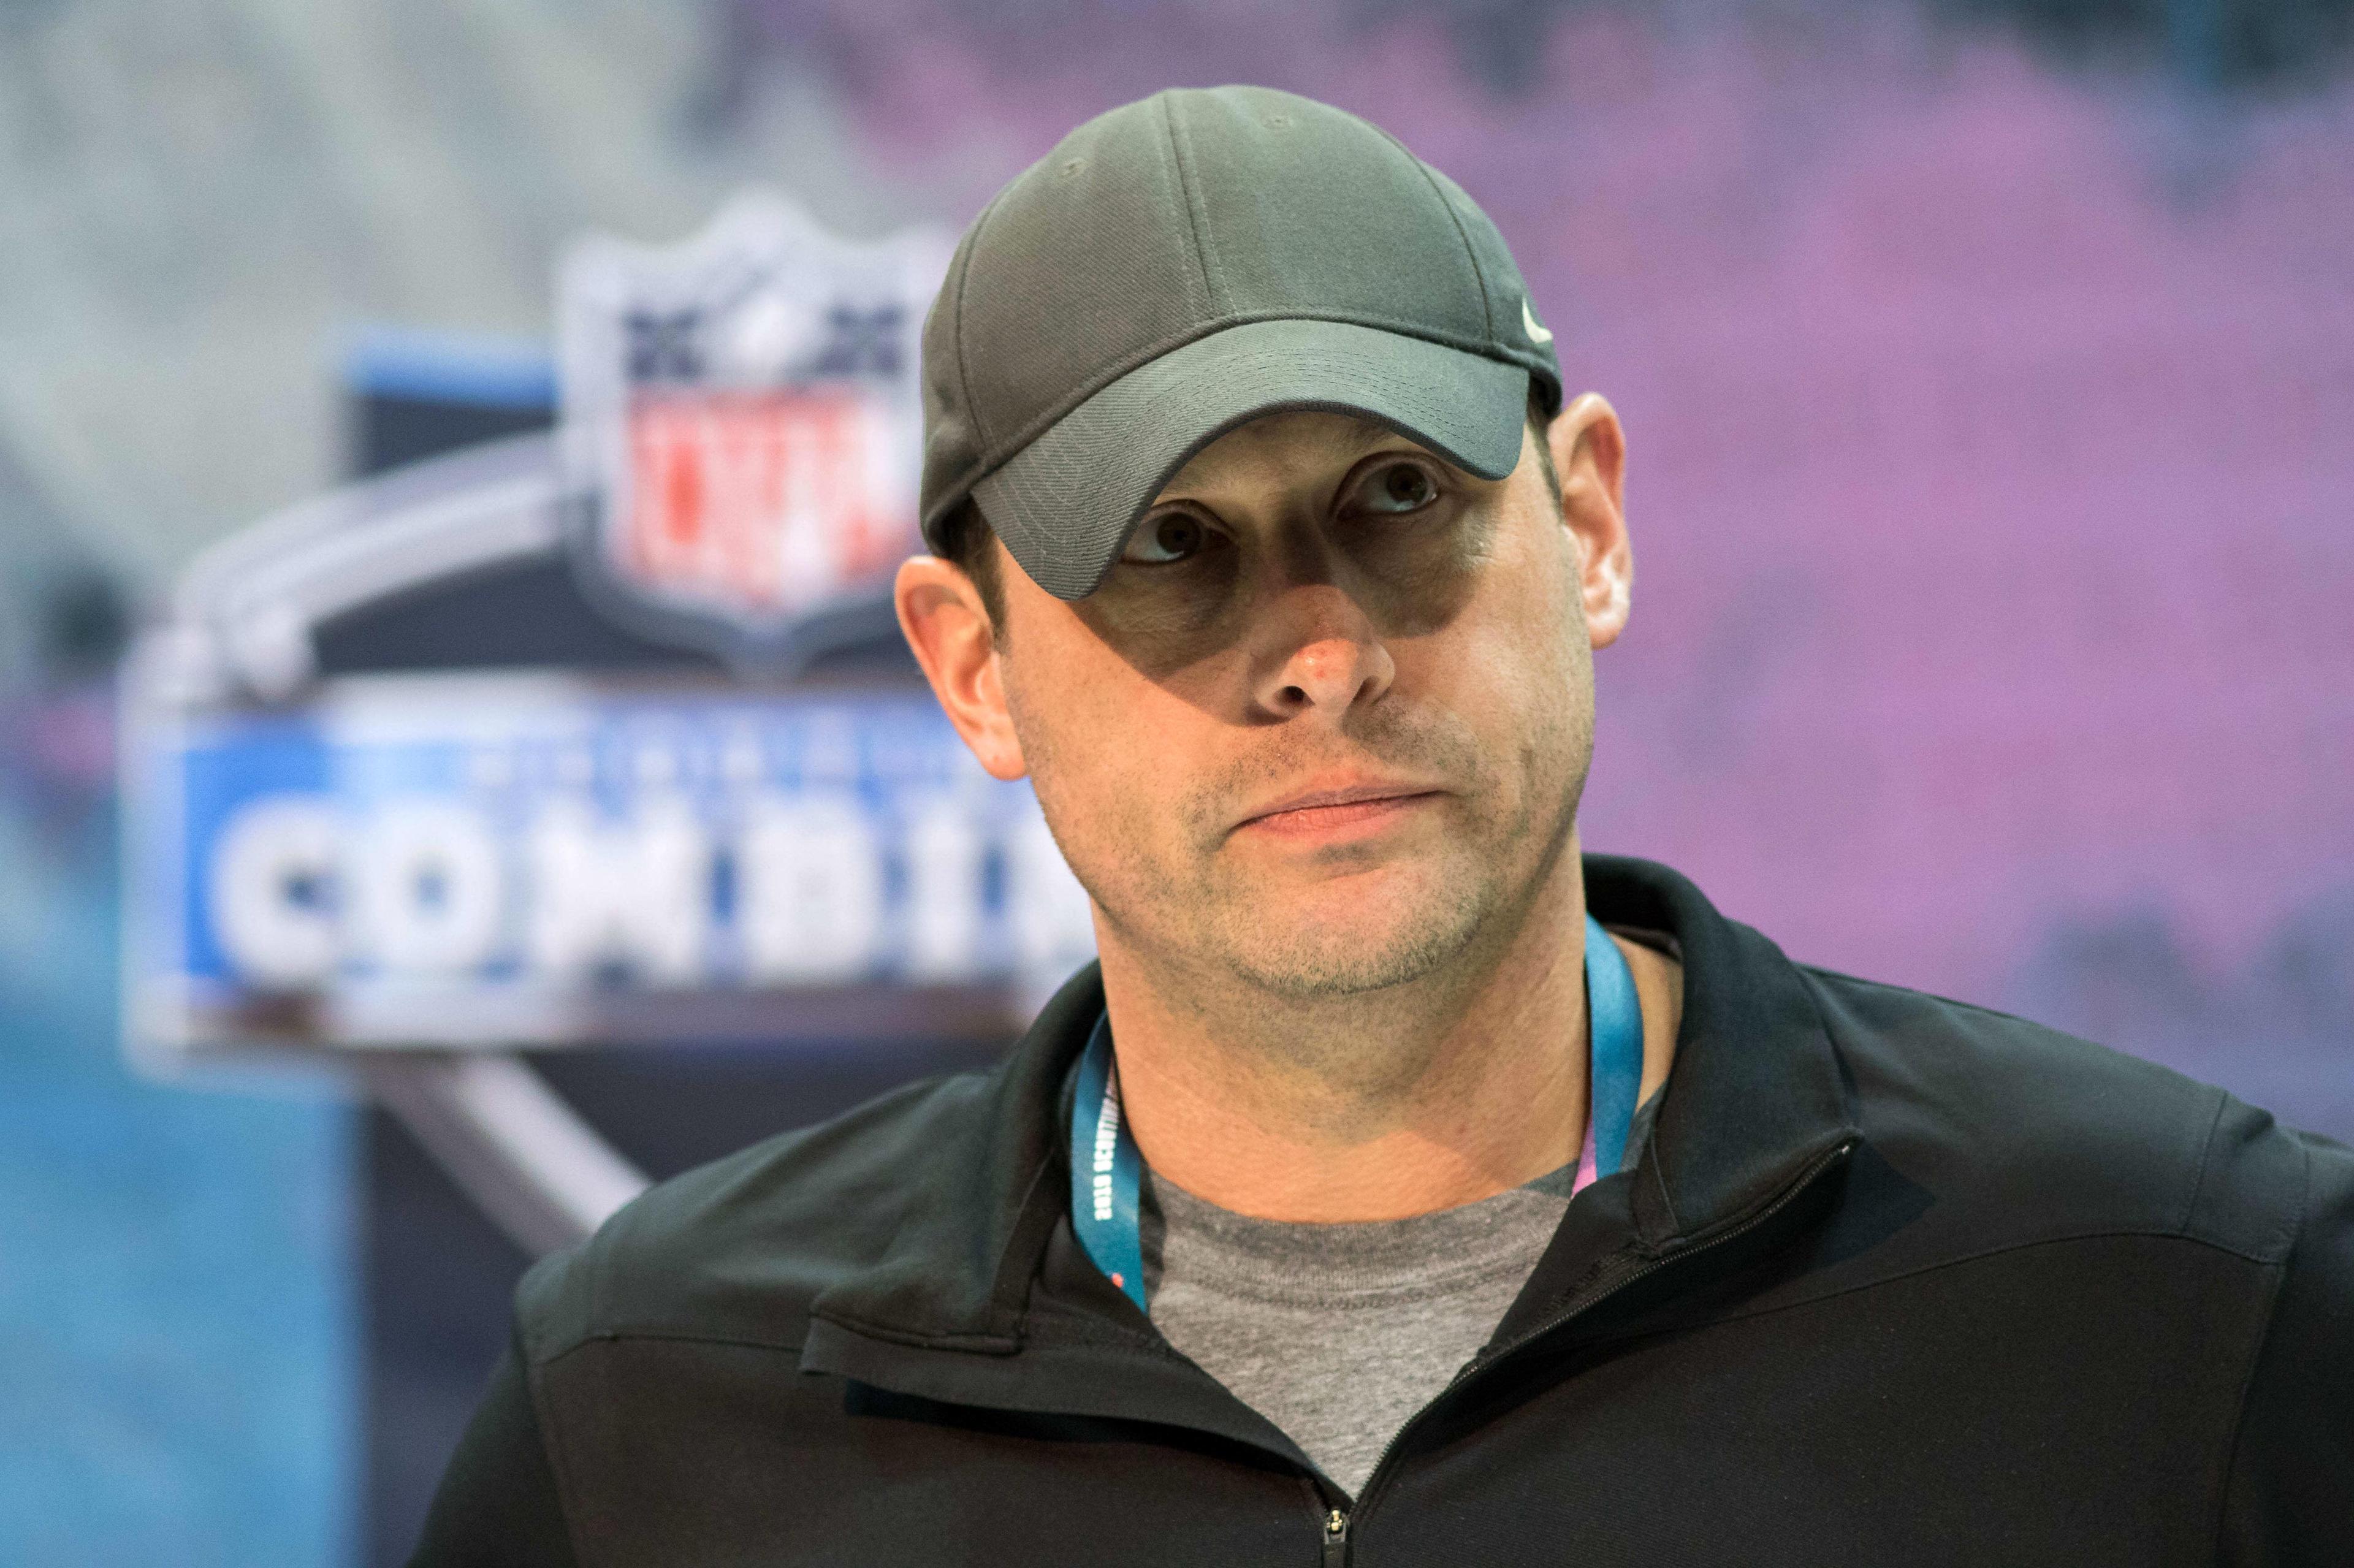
(1311, 812)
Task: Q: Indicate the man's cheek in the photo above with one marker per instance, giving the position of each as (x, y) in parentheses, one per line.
(1098, 797)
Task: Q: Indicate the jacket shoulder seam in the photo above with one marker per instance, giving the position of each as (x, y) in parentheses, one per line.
(552, 1446)
(2206, 1159)
(2230, 1456)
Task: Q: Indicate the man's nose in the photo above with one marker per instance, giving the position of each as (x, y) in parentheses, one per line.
(1318, 649)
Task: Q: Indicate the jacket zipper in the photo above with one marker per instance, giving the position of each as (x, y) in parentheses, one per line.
(1336, 1538)
(1336, 1523)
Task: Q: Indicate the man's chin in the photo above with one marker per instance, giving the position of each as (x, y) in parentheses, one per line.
(1336, 941)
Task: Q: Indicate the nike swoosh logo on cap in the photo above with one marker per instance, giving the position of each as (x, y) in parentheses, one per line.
(1537, 334)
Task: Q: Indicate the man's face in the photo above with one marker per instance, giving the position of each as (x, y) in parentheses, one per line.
(1324, 726)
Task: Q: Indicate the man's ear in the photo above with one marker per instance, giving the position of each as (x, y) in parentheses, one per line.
(948, 626)
(1589, 452)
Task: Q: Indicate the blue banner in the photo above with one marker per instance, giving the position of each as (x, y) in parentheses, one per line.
(494, 860)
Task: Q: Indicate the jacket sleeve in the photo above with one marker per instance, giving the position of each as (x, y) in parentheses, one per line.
(497, 1505)
(2290, 1499)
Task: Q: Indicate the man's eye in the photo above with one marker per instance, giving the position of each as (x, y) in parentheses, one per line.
(1171, 536)
(1397, 488)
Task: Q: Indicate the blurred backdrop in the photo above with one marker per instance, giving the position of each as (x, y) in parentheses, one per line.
(1988, 371)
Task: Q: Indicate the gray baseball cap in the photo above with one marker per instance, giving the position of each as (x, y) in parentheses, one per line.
(1185, 264)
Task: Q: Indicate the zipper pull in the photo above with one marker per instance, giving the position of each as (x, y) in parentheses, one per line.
(1336, 1538)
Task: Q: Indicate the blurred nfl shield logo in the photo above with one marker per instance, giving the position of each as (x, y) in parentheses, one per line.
(743, 428)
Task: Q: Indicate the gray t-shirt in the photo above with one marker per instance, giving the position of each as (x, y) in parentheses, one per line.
(1338, 1333)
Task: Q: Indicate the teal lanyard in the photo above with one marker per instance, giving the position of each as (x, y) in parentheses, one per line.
(1106, 1170)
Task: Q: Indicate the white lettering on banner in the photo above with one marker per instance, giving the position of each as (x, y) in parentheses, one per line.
(529, 872)
(1054, 926)
(271, 888)
(636, 892)
(427, 887)
(944, 903)
(810, 883)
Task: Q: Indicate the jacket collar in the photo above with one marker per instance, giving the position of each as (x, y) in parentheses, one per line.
(956, 1274)
(1754, 1097)
(1755, 1092)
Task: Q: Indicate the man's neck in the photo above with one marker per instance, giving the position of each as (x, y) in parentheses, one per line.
(1413, 1099)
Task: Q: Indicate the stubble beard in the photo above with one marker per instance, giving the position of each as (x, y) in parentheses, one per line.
(1227, 925)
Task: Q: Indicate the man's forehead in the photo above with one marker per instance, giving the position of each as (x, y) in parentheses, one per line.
(1277, 445)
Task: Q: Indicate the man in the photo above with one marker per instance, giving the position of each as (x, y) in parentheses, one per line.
(1369, 1204)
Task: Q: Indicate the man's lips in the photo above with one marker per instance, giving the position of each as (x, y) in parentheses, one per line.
(1313, 811)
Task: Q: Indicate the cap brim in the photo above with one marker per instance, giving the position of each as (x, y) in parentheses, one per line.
(1066, 503)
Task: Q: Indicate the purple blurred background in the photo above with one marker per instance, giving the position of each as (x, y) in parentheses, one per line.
(1988, 371)
(1992, 432)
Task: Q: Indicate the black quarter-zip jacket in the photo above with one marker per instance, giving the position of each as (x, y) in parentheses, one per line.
(1895, 1281)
